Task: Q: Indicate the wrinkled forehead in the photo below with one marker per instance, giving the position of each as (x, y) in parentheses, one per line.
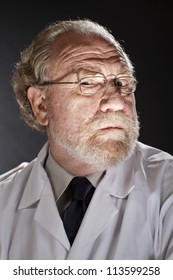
(71, 50)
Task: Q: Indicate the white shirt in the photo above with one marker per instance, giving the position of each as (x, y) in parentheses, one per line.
(130, 215)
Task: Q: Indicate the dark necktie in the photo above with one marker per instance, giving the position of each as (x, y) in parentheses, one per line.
(82, 191)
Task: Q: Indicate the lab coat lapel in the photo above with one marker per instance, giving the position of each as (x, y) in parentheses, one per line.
(48, 217)
(38, 190)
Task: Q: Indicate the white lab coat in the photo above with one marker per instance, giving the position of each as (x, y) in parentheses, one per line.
(129, 217)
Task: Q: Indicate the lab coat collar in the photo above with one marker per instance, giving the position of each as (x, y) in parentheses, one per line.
(102, 208)
(35, 181)
(120, 179)
(48, 217)
(119, 183)
(38, 190)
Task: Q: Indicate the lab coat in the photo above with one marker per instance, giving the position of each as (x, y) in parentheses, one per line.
(129, 217)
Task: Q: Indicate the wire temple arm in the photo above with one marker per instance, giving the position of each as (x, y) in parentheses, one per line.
(46, 83)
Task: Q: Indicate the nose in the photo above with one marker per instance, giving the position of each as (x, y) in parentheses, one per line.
(112, 103)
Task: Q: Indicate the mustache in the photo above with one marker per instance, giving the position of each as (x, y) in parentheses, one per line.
(111, 120)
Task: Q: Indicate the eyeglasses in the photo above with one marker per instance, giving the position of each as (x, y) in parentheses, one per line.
(91, 85)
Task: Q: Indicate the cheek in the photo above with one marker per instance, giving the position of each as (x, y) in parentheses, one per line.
(80, 109)
(67, 113)
(57, 111)
(130, 107)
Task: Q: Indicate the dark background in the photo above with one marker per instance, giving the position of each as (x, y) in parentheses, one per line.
(145, 30)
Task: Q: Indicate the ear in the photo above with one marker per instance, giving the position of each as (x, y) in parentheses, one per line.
(37, 100)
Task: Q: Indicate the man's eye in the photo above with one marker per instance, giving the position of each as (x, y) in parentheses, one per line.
(89, 82)
(121, 83)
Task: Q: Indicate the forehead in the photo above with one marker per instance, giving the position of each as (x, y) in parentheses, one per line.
(72, 52)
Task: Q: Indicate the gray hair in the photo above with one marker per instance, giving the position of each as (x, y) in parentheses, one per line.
(31, 70)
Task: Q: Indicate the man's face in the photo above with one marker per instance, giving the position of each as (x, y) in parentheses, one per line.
(101, 129)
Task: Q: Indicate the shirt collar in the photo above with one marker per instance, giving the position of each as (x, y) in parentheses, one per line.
(115, 181)
(60, 178)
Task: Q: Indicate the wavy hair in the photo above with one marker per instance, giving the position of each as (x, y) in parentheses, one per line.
(31, 70)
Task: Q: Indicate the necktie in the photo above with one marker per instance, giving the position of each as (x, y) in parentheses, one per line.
(82, 191)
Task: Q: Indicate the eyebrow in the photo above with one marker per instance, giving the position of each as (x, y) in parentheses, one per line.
(97, 71)
(88, 69)
(91, 70)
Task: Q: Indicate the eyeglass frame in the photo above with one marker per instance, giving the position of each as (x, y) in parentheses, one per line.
(47, 83)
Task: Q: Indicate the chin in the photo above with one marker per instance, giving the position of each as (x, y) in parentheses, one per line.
(109, 153)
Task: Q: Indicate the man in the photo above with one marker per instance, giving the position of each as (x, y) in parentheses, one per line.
(76, 83)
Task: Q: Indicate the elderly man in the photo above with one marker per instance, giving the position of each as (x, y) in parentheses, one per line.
(94, 191)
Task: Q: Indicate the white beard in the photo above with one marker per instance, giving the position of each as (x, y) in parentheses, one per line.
(97, 147)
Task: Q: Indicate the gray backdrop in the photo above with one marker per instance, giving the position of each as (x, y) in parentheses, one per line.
(145, 30)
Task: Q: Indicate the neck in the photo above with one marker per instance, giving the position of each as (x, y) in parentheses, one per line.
(69, 163)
